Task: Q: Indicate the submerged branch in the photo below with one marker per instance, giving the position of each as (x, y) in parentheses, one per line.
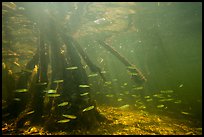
(135, 72)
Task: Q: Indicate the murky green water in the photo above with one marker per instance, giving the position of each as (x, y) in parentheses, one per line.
(162, 39)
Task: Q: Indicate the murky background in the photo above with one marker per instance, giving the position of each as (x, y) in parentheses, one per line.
(163, 39)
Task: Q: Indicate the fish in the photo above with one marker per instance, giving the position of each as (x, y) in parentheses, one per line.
(17, 99)
(85, 66)
(63, 121)
(137, 96)
(124, 106)
(70, 116)
(177, 101)
(42, 83)
(139, 103)
(4, 11)
(72, 68)
(185, 113)
(109, 95)
(63, 104)
(134, 95)
(99, 21)
(125, 84)
(168, 99)
(17, 64)
(53, 95)
(139, 88)
(108, 82)
(31, 112)
(101, 60)
(160, 106)
(180, 86)
(147, 97)
(21, 90)
(166, 91)
(88, 108)
(103, 72)
(142, 107)
(84, 86)
(58, 81)
(149, 100)
(168, 95)
(50, 91)
(134, 74)
(3, 65)
(131, 67)
(158, 96)
(119, 99)
(93, 75)
(115, 79)
(84, 94)
(21, 8)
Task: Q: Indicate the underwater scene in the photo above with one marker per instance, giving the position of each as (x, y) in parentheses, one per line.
(101, 68)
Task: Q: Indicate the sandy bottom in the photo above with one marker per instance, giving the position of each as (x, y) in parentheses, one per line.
(124, 122)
